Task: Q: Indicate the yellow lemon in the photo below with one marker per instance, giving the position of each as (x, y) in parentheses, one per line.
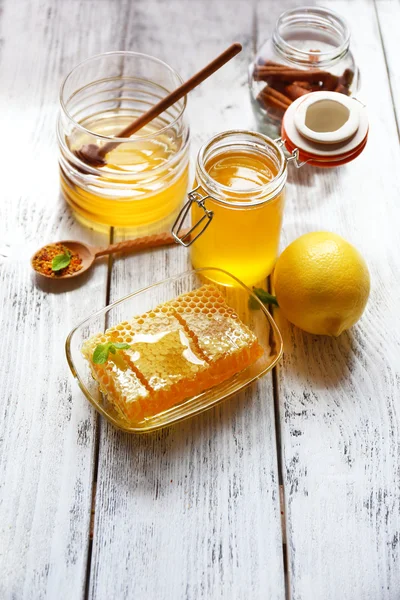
(321, 283)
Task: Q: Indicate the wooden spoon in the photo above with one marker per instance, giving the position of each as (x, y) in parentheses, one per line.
(88, 253)
(95, 156)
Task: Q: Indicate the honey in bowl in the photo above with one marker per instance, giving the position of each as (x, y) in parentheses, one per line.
(239, 191)
(139, 185)
(144, 181)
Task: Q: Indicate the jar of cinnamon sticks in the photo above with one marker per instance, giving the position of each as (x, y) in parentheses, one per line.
(309, 51)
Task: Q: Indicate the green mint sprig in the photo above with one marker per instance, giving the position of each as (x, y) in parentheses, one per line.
(61, 261)
(102, 351)
(264, 296)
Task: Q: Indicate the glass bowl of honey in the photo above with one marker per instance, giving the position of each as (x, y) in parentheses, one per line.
(143, 183)
(172, 350)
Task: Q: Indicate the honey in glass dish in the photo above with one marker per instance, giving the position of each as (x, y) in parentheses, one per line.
(190, 346)
(171, 353)
(144, 181)
(240, 179)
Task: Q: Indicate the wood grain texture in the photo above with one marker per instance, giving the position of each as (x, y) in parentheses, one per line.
(388, 14)
(339, 398)
(193, 511)
(47, 429)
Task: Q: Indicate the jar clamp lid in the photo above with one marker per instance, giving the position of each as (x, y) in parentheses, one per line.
(190, 236)
(324, 129)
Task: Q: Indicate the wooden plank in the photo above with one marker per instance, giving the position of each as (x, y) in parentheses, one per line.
(339, 397)
(47, 430)
(388, 13)
(191, 512)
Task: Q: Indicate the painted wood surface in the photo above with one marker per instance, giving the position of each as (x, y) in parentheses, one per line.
(47, 430)
(191, 512)
(338, 399)
(388, 14)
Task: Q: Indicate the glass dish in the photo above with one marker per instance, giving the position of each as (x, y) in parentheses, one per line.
(248, 307)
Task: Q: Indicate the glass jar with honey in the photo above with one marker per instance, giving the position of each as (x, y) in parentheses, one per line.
(237, 205)
(144, 181)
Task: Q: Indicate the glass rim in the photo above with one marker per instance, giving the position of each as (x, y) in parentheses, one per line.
(121, 53)
(306, 12)
(270, 189)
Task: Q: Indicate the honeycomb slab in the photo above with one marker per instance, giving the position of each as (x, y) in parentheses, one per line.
(176, 351)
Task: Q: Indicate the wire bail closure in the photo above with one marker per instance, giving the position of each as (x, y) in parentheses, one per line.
(293, 156)
(187, 239)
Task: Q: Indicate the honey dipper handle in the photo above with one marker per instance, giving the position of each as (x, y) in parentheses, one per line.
(142, 243)
(174, 96)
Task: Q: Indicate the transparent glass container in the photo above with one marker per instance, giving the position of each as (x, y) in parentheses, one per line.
(309, 50)
(248, 308)
(145, 179)
(237, 229)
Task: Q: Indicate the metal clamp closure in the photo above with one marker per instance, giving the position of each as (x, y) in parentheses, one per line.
(188, 239)
(293, 156)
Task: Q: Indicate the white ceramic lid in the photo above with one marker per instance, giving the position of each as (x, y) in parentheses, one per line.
(325, 124)
(327, 117)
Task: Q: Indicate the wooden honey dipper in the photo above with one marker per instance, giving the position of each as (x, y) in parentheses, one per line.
(95, 156)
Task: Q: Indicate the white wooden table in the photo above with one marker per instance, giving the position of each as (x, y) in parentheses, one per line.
(195, 511)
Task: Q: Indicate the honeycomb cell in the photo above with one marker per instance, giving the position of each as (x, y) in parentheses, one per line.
(120, 385)
(224, 341)
(165, 356)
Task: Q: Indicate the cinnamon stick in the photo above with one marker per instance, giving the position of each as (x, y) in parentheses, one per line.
(295, 91)
(270, 91)
(346, 79)
(270, 101)
(290, 75)
(306, 85)
(274, 73)
(286, 83)
(303, 84)
(271, 66)
(271, 63)
(262, 73)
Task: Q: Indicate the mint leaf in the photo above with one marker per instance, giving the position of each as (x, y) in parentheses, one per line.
(100, 354)
(265, 297)
(102, 351)
(61, 261)
(121, 345)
